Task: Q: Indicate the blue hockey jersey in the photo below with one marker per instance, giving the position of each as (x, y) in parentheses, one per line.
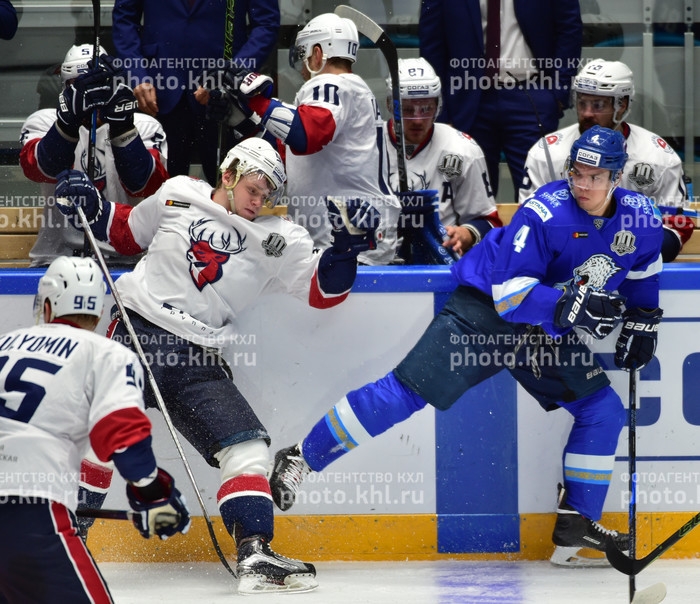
(551, 242)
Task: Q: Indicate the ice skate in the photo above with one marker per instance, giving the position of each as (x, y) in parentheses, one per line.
(288, 473)
(261, 570)
(574, 533)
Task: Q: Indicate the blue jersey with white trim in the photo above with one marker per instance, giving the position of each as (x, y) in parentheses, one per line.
(552, 242)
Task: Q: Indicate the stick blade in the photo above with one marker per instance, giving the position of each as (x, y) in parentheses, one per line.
(364, 24)
(620, 561)
(651, 595)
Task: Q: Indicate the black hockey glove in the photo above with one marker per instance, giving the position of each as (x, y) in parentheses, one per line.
(160, 507)
(88, 91)
(119, 110)
(353, 224)
(597, 312)
(637, 341)
(73, 189)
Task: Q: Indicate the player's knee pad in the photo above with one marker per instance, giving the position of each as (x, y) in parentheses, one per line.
(249, 457)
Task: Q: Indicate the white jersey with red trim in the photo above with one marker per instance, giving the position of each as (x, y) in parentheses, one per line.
(207, 263)
(349, 166)
(653, 167)
(57, 237)
(453, 163)
(62, 388)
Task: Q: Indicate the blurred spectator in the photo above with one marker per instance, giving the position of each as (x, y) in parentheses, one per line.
(508, 75)
(603, 93)
(8, 20)
(130, 150)
(167, 46)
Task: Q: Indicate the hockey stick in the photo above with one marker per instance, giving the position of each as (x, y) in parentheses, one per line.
(632, 465)
(152, 381)
(386, 46)
(631, 566)
(106, 514)
(383, 42)
(92, 141)
(228, 55)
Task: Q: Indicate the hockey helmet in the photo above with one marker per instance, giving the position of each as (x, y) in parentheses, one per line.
(417, 80)
(602, 148)
(606, 78)
(337, 37)
(76, 61)
(73, 286)
(257, 156)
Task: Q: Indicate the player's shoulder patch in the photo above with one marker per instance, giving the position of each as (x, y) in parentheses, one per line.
(177, 204)
(539, 208)
(274, 245)
(660, 143)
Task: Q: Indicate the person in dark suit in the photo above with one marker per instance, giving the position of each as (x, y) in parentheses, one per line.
(509, 93)
(170, 48)
(8, 20)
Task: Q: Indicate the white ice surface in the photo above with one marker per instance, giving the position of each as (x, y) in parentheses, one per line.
(444, 582)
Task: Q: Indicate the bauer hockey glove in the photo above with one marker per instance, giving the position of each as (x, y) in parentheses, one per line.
(353, 224)
(88, 91)
(74, 189)
(119, 110)
(160, 507)
(597, 312)
(637, 340)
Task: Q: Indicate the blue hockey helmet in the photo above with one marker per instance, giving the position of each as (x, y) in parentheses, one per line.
(602, 148)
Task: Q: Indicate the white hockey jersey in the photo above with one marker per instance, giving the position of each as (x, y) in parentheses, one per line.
(653, 167)
(62, 388)
(57, 236)
(205, 265)
(453, 163)
(350, 166)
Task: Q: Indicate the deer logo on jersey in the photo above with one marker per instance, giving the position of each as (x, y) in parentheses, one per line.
(210, 249)
(595, 271)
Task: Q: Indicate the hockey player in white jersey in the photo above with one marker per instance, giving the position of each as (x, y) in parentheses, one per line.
(63, 387)
(440, 161)
(332, 132)
(130, 149)
(209, 257)
(603, 92)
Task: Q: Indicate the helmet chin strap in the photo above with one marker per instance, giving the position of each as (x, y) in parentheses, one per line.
(229, 191)
(617, 104)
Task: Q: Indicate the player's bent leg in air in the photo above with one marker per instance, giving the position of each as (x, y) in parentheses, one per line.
(589, 457)
(359, 416)
(95, 478)
(245, 504)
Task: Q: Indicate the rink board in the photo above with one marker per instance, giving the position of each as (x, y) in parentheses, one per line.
(478, 480)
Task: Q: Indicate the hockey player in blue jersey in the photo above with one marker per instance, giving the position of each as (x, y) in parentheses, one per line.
(580, 253)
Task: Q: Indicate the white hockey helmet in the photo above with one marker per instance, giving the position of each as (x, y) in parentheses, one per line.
(606, 78)
(417, 80)
(337, 37)
(76, 61)
(73, 286)
(257, 156)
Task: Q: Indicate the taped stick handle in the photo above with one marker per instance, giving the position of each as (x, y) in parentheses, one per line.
(106, 514)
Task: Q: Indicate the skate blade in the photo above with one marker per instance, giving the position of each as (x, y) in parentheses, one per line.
(578, 557)
(651, 595)
(260, 584)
